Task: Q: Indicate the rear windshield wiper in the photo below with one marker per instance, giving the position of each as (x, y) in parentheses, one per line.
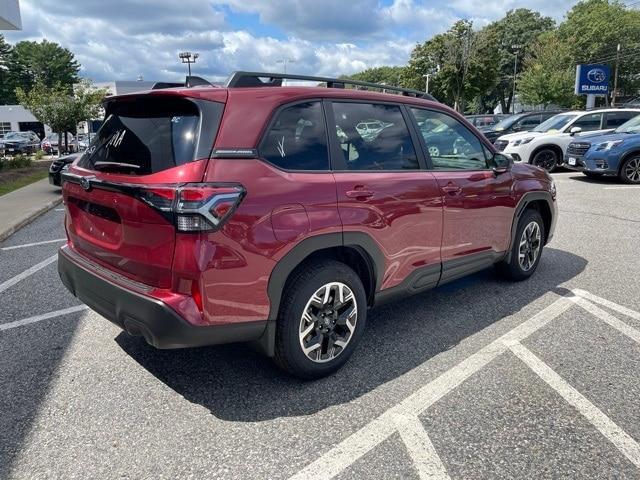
(114, 165)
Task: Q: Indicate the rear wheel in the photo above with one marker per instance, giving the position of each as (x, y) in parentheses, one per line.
(526, 249)
(321, 319)
(630, 171)
(546, 158)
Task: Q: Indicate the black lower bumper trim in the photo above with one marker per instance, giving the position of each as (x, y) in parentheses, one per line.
(143, 316)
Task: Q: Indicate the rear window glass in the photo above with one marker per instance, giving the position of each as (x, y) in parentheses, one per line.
(142, 137)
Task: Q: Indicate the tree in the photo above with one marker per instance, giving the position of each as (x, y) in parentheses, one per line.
(58, 108)
(592, 31)
(549, 74)
(7, 87)
(519, 28)
(43, 62)
(387, 75)
(465, 61)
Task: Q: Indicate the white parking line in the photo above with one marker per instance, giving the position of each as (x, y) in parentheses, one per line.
(34, 244)
(356, 445)
(606, 317)
(607, 303)
(30, 271)
(623, 442)
(622, 188)
(39, 318)
(422, 452)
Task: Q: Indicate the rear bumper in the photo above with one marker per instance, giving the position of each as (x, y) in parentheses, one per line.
(141, 315)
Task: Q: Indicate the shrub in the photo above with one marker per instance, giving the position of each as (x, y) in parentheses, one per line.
(39, 154)
(19, 161)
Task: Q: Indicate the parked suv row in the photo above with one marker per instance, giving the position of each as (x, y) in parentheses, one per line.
(207, 215)
(546, 145)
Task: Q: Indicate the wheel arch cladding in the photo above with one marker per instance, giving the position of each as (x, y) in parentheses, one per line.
(541, 202)
(357, 250)
(626, 156)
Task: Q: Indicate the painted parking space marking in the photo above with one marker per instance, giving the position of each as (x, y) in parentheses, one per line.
(403, 417)
(28, 272)
(362, 441)
(44, 316)
(616, 435)
(34, 244)
(622, 187)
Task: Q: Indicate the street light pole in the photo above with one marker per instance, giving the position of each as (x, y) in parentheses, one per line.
(615, 78)
(427, 77)
(188, 58)
(284, 63)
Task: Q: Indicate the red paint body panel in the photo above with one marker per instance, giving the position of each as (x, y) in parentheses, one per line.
(414, 218)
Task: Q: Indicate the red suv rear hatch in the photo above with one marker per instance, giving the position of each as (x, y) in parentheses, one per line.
(121, 197)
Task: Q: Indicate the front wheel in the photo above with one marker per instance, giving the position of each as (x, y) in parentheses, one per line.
(526, 249)
(546, 158)
(630, 171)
(322, 317)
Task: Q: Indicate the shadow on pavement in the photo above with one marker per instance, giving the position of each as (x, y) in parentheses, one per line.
(237, 384)
(604, 179)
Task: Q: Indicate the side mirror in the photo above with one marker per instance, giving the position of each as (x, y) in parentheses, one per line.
(574, 130)
(501, 163)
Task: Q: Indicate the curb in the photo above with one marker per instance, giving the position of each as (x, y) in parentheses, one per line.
(11, 229)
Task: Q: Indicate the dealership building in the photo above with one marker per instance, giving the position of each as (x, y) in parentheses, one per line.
(10, 15)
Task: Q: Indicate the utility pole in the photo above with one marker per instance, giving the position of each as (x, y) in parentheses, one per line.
(615, 78)
(284, 63)
(516, 50)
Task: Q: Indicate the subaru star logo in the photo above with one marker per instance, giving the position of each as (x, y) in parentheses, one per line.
(596, 75)
(85, 183)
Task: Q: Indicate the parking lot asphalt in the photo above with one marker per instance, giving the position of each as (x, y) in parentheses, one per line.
(477, 379)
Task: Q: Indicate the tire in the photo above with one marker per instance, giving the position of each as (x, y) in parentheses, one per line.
(517, 269)
(546, 159)
(630, 171)
(305, 292)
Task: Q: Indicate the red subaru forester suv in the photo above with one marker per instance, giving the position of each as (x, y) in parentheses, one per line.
(279, 214)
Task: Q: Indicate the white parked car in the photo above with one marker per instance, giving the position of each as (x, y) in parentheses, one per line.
(546, 145)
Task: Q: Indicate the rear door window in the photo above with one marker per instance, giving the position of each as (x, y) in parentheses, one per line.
(589, 122)
(615, 119)
(146, 136)
(373, 137)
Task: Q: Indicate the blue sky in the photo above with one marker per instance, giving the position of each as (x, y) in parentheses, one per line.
(120, 40)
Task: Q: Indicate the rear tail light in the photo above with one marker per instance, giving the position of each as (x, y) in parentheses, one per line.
(195, 207)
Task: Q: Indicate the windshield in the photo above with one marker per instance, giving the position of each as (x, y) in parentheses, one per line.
(632, 126)
(15, 136)
(554, 123)
(506, 122)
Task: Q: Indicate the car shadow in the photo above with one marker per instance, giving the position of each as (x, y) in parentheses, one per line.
(604, 179)
(236, 383)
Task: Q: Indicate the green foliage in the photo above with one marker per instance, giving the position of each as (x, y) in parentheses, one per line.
(60, 109)
(592, 31)
(522, 28)
(17, 161)
(387, 75)
(39, 154)
(465, 61)
(28, 63)
(549, 75)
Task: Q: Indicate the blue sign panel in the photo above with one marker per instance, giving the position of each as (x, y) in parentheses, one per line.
(592, 79)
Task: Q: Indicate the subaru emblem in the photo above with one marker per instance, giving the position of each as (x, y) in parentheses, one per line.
(85, 183)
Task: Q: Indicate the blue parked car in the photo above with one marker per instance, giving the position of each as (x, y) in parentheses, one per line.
(616, 153)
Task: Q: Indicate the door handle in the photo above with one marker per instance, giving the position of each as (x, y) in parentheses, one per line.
(360, 194)
(452, 189)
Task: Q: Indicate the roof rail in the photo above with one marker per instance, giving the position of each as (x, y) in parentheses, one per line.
(255, 79)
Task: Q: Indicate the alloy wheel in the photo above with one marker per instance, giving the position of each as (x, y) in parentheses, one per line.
(545, 159)
(529, 248)
(632, 170)
(328, 322)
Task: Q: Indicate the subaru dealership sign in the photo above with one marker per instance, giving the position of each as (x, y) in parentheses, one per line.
(592, 79)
